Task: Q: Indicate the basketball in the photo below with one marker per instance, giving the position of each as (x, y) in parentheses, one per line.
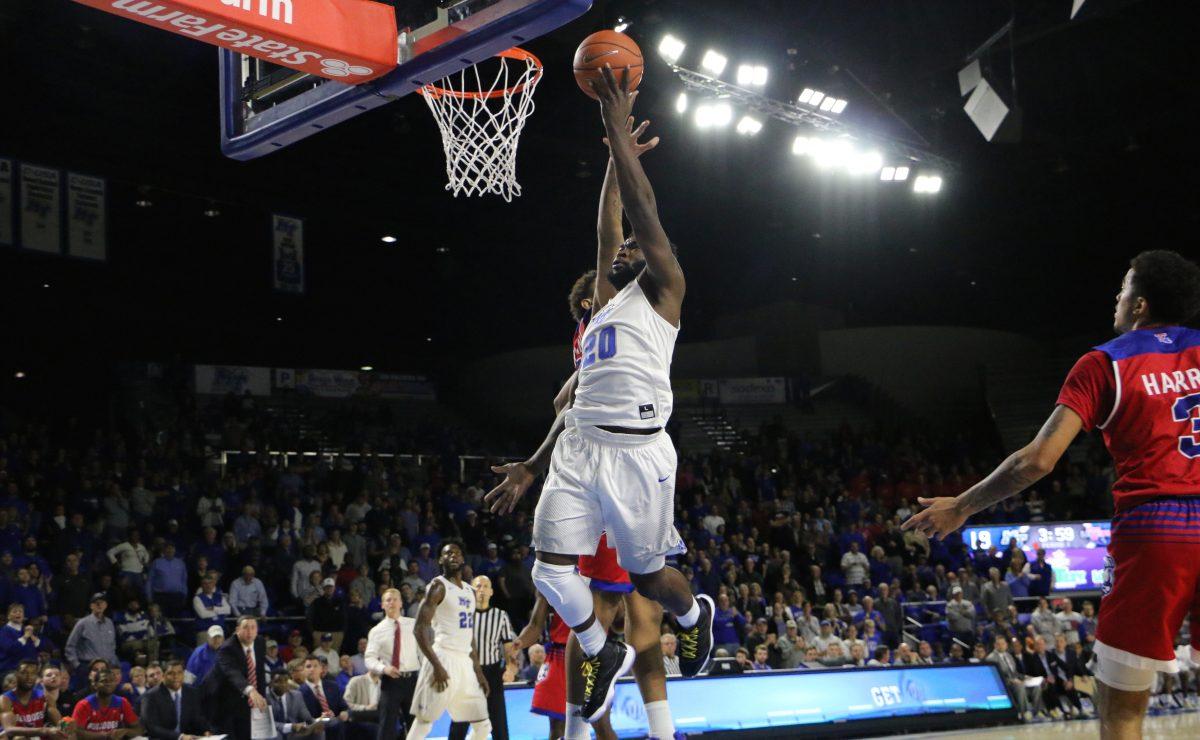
(611, 48)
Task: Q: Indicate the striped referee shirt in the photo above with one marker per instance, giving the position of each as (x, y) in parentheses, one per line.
(492, 629)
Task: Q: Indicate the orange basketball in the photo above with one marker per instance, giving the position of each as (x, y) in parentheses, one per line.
(607, 47)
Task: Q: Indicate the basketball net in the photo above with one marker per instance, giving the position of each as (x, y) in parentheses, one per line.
(481, 123)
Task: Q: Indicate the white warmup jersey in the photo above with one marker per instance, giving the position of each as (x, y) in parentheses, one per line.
(454, 620)
(625, 371)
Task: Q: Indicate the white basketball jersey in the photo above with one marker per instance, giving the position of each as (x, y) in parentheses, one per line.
(625, 370)
(454, 620)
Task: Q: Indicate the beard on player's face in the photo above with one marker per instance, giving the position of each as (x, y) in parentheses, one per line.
(625, 273)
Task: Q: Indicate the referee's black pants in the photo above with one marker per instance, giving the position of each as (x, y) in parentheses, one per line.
(395, 699)
(494, 673)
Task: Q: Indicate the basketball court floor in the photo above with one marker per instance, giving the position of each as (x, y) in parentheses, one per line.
(1180, 725)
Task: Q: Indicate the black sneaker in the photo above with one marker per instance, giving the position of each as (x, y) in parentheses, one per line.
(600, 674)
(696, 643)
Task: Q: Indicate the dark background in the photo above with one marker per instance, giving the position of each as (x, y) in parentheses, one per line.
(1031, 237)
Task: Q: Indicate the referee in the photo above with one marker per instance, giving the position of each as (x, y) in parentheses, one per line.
(493, 639)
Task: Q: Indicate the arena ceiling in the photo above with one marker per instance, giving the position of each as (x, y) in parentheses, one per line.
(1030, 236)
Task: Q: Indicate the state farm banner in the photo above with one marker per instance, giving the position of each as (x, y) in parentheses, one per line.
(350, 41)
(6, 203)
(218, 380)
(287, 262)
(41, 209)
(752, 390)
(87, 217)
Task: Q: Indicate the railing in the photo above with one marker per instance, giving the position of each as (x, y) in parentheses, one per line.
(285, 457)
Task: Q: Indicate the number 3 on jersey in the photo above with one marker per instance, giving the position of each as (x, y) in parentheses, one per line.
(1185, 409)
(607, 339)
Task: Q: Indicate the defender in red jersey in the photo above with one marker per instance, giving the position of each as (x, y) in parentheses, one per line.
(24, 711)
(103, 715)
(1142, 390)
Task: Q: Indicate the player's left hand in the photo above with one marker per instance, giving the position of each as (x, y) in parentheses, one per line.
(616, 102)
(518, 477)
(483, 684)
(639, 147)
(941, 518)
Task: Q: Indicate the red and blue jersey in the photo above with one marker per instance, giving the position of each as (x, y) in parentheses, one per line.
(31, 713)
(576, 343)
(1142, 390)
(558, 630)
(605, 572)
(92, 717)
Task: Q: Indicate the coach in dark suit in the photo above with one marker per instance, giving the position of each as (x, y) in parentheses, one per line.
(172, 711)
(239, 680)
(324, 699)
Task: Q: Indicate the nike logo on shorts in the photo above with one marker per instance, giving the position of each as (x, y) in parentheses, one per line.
(662, 479)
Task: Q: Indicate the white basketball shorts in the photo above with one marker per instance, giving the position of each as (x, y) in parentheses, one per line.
(463, 697)
(622, 484)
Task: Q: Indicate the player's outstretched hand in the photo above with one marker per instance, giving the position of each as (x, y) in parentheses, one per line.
(518, 477)
(942, 517)
(639, 148)
(616, 102)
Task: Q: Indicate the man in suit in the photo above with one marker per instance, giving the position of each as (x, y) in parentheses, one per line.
(172, 711)
(1011, 674)
(292, 719)
(1055, 684)
(239, 680)
(323, 698)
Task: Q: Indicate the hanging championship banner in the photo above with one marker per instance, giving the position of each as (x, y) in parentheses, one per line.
(6, 202)
(87, 220)
(288, 262)
(41, 209)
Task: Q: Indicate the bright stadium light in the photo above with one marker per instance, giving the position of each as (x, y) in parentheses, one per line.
(714, 62)
(816, 98)
(887, 174)
(681, 103)
(749, 126)
(838, 107)
(827, 104)
(388, 239)
(671, 48)
(752, 74)
(366, 368)
(901, 174)
(830, 154)
(806, 95)
(801, 146)
(713, 115)
(622, 24)
(927, 184)
(865, 163)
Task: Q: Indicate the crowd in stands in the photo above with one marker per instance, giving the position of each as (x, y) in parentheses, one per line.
(133, 545)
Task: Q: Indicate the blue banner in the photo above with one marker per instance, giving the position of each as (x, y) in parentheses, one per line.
(785, 698)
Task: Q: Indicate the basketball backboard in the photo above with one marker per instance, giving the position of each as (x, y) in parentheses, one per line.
(265, 107)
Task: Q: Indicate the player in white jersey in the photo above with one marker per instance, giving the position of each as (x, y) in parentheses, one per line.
(450, 679)
(611, 463)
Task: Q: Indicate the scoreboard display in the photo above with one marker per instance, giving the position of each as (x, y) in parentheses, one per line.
(1076, 550)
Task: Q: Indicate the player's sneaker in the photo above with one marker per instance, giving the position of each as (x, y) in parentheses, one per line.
(696, 643)
(600, 673)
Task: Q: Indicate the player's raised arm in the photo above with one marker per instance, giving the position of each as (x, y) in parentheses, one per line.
(637, 196)
(1019, 471)
(610, 232)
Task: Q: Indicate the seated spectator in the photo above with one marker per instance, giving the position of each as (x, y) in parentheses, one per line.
(133, 634)
(273, 662)
(760, 659)
(882, 658)
(1044, 621)
(537, 659)
(211, 607)
(960, 616)
(326, 652)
